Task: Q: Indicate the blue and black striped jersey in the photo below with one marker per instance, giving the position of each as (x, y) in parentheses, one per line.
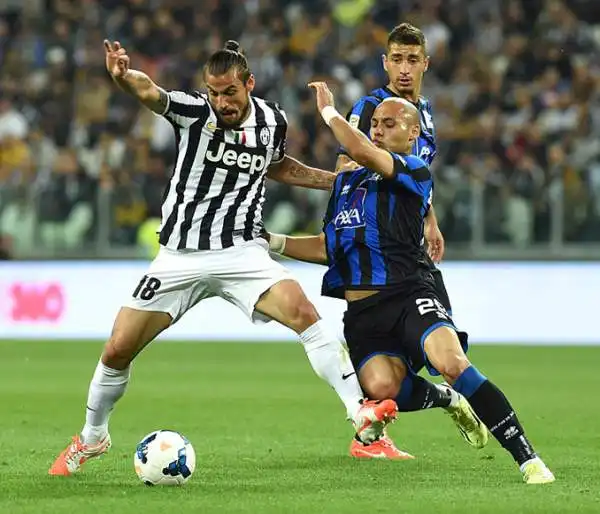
(374, 226)
(360, 117)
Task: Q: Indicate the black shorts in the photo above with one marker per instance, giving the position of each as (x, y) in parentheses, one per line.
(440, 287)
(397, 323)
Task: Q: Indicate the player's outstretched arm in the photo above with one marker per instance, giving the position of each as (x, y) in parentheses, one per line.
(134, 82)
(433, 235)
(308, 248)
(295, 173)
(359, 147)
(359, 117)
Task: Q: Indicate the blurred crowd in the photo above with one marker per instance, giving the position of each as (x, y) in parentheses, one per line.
(515, 86)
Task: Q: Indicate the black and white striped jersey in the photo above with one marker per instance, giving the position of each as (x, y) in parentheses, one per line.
(216, 192)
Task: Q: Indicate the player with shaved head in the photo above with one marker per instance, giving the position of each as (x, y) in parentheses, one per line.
(405, 63)
(371, 243)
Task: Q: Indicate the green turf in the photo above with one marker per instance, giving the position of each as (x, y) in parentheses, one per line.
(271, 438)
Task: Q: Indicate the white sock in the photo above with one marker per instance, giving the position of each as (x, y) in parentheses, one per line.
(107, 386)
(331, 362)
(522, 466)
(454, 396)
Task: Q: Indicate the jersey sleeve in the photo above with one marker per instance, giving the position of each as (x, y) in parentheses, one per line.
(360, 117)
(428, 118)
(184, 109)
(280, 136)
(412, 173)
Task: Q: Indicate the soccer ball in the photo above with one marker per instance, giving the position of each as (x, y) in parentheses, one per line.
(164, 457)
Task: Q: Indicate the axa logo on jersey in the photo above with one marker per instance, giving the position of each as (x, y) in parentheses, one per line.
(252, 160)
(352, 214)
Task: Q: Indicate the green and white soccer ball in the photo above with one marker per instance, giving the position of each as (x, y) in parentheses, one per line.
(164, 457)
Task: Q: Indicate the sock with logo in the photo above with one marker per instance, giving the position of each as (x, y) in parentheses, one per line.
(416, 393)
(107, 386)
(494, 409)
(330, 361)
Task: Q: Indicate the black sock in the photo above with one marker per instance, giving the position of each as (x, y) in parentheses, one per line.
(416, 393)
(496, 412)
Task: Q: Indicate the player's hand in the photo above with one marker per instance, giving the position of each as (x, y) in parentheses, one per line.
(349, 166)
(117, 60)
(324, 95)
(435, 241)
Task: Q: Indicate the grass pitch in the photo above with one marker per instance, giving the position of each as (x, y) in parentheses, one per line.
(271, 438)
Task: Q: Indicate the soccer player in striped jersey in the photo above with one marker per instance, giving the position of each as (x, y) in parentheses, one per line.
(371, 243)
(405, 63)
(211, 240)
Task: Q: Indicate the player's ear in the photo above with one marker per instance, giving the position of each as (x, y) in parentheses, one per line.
(416, 130)
(426, 64)
(384, 61)
(250, 83)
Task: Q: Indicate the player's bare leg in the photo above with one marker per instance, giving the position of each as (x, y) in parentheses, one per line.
(445, 353)
(132, 331)
(286, 303)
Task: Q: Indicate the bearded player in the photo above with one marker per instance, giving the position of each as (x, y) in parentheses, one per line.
(228, 143)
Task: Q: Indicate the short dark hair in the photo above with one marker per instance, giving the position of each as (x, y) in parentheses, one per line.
(230, 56)
(407, 34)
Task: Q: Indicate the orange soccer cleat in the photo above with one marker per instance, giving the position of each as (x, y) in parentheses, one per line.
(383, 448)
(76, 454)
(372, 418)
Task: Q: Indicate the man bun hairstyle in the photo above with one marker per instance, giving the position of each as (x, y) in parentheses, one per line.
(230, 56)
(232, 45)
(407, 34)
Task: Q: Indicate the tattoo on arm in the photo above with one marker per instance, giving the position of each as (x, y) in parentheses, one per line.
(295, 173)
(139, 85)
(133, 82)
(310, 177)
(163, 101)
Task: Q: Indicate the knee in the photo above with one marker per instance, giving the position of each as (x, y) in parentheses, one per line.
(453, 366)
(300, 312)
(119, 351)
(381, 386)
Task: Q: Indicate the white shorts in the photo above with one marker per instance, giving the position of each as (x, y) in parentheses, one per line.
(178, 280)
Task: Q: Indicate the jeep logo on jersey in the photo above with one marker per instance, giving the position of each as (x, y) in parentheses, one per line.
(252, 160)
(352, 214)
